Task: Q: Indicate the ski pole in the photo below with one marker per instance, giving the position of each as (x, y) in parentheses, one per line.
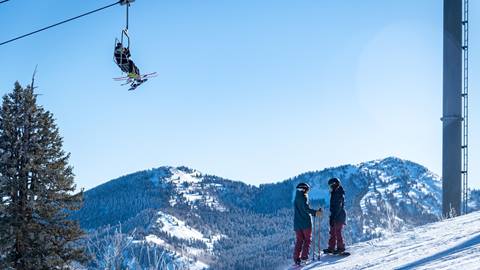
(314, 236)
(319, 236)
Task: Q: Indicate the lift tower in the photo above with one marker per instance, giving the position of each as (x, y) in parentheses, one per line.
(452, 108)
(465, 189)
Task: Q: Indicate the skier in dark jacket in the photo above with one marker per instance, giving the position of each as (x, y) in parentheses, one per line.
(122, 58)
(302, 223)
(338, 217)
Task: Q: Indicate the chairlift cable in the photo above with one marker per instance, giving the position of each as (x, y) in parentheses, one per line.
(62, 22)
(128, 5)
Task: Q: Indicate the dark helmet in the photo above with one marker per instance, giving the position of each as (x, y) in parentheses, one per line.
(119, 45)
(303, 187)
(334, 181)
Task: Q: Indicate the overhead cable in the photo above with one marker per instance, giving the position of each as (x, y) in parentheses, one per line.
(59, 23)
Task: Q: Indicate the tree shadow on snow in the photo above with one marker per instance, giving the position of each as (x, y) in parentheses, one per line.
(456, 249)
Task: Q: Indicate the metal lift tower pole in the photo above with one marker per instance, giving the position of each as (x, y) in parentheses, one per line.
(465, 188)
(452, 108)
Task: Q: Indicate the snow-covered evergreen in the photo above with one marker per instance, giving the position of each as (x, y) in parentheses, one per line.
(36, 188)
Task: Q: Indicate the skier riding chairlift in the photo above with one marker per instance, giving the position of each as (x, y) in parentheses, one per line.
(122, 59)
(122, 54)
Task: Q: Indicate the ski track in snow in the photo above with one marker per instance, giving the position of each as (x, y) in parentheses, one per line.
(448, 244)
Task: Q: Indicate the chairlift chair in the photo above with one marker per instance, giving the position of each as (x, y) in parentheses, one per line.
(124, 40)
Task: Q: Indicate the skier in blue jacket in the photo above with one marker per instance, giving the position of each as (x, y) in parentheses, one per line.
(302, 223)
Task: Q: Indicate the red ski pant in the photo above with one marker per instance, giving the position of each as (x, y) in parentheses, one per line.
(336, 238)
(302, 244)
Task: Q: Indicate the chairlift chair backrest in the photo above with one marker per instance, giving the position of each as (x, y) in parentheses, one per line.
(123, 63)
(127, 39)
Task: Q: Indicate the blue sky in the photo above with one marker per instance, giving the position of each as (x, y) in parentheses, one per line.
(256, 91)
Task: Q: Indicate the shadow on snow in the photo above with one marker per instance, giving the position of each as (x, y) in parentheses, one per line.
(456, 249)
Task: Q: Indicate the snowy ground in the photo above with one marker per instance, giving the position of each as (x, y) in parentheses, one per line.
(178, 228)
(449, 244)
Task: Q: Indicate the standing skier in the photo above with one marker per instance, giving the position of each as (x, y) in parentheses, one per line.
(338, 217)
(302, 223)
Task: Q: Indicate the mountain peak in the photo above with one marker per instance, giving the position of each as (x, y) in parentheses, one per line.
(392, 160)
(191, 189)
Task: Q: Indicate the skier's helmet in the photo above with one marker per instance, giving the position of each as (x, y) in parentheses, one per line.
(334, 181)
(303, 187)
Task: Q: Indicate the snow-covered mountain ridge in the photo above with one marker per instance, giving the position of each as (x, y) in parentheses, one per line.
(213, 222)
(447, 244)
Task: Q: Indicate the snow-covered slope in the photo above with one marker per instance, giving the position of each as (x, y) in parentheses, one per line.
(448, 244)
(398, 192)
(175, 227)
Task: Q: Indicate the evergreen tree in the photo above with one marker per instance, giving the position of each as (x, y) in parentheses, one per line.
(37, 191)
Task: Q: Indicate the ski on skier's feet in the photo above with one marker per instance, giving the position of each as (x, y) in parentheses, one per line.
(136, 84)
(144, 76)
